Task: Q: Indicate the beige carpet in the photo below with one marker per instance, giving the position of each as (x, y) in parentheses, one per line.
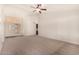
(36, 45)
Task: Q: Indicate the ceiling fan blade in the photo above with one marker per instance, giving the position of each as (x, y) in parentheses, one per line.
(43, 9)
(38, 5)
(40, 12)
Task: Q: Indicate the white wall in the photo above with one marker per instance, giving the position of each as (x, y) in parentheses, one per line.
(1, 27)
(22, 12)
(60, 22)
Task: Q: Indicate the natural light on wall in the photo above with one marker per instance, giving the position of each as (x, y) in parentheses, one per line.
(1, 27)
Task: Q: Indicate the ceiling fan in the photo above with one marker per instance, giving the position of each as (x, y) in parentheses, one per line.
(38, 8)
